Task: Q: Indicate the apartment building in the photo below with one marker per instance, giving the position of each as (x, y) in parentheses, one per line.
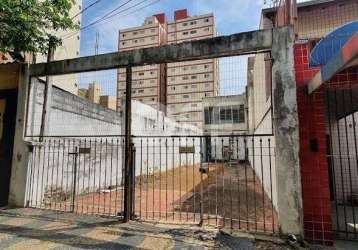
(70, 48)
(148, 82)
(189, 82)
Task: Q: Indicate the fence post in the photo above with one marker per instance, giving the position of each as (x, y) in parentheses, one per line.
(286, 130)
(128, 149)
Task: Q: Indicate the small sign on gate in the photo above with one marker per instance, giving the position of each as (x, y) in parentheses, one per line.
(85, 151)
(186, 150)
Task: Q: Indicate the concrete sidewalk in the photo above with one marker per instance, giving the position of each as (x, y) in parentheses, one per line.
(45, 229)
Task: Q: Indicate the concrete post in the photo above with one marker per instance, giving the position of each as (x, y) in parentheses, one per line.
(21, 153)
(286, 129)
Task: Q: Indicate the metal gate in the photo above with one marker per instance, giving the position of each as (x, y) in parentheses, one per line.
(223, 181)
(342, 158)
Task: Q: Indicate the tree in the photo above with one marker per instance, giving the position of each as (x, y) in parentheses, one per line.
(31, 25)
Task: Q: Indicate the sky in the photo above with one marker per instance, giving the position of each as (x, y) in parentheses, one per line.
(231, 16)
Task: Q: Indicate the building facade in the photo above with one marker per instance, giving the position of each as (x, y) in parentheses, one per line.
(70, 48)
(148, 82)
(190, 82)
(174, 88)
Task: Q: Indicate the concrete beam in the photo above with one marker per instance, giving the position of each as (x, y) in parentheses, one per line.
(286, 130)
(20, 161)
(223, 46)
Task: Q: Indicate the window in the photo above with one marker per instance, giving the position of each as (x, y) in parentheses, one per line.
(185, 33)
(135, 33)
(185, 24)
(186, 96)
(152, 30)
(185, 87)
(152, 73)
(193, 32)
(152, 90)
(194, 86)
(206, 66)
(173, 88)
(192, 22)
(123, 35)
(206, 75)
(206, 29)
(242, 114)
(185, 78)
(206, 20)
(123, 43)
(208, 112)
(140, 82)
(135, 41)
(142, 31)
(194, 67)
(193, 77)
(185, 68)
(141, 91)
(141, 73)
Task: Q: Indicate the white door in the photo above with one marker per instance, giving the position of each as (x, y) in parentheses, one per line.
(2, 112)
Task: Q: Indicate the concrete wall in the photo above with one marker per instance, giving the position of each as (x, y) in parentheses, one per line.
(52, 164)
(69, 115)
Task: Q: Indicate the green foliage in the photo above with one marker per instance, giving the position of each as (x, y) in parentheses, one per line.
(30, 25)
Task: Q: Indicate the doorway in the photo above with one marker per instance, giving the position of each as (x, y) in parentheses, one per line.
(8, 103)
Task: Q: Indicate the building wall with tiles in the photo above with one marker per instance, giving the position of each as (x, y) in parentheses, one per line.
(314, 164)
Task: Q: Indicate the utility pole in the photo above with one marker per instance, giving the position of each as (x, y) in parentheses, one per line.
(47, 92)
(96, 45)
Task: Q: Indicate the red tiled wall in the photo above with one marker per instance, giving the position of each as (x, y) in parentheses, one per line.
(314, 165)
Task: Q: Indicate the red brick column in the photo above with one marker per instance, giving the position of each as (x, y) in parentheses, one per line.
(314, 164)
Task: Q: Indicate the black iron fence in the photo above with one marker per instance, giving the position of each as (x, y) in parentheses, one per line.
(224, 181)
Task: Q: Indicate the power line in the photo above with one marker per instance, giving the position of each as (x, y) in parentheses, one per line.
(89, 6)
(109, 16)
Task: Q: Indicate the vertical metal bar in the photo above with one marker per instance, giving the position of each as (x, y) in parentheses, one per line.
(341, 166)
(166, 179)
(100, 175)
(223, 181)
(128, 143)
(272, 207)
(201, 184)
(262, 186)
(78, 176)
(153, 179)
(75, 155)
(117, 166)
(355, 141)
(31, 181)
(48, 168)
(67, 170)
(194, 191)
(141, 178)
(89, 176)
(133, 169)
(147, 191)
(186, 178)
(238, 181)
(38, 175)
(160, 178)
(94, 176)
(246, 189)
(58, 195)
(216, 185)
(230, 191)
(110, 181)
(63, 202)
(254, 180)
(331, 156)
(349, 161)
(105, 175)
(83, 177)
(180, 200)
(173, 178)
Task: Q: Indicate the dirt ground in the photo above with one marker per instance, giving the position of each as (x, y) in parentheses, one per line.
(229, 196)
